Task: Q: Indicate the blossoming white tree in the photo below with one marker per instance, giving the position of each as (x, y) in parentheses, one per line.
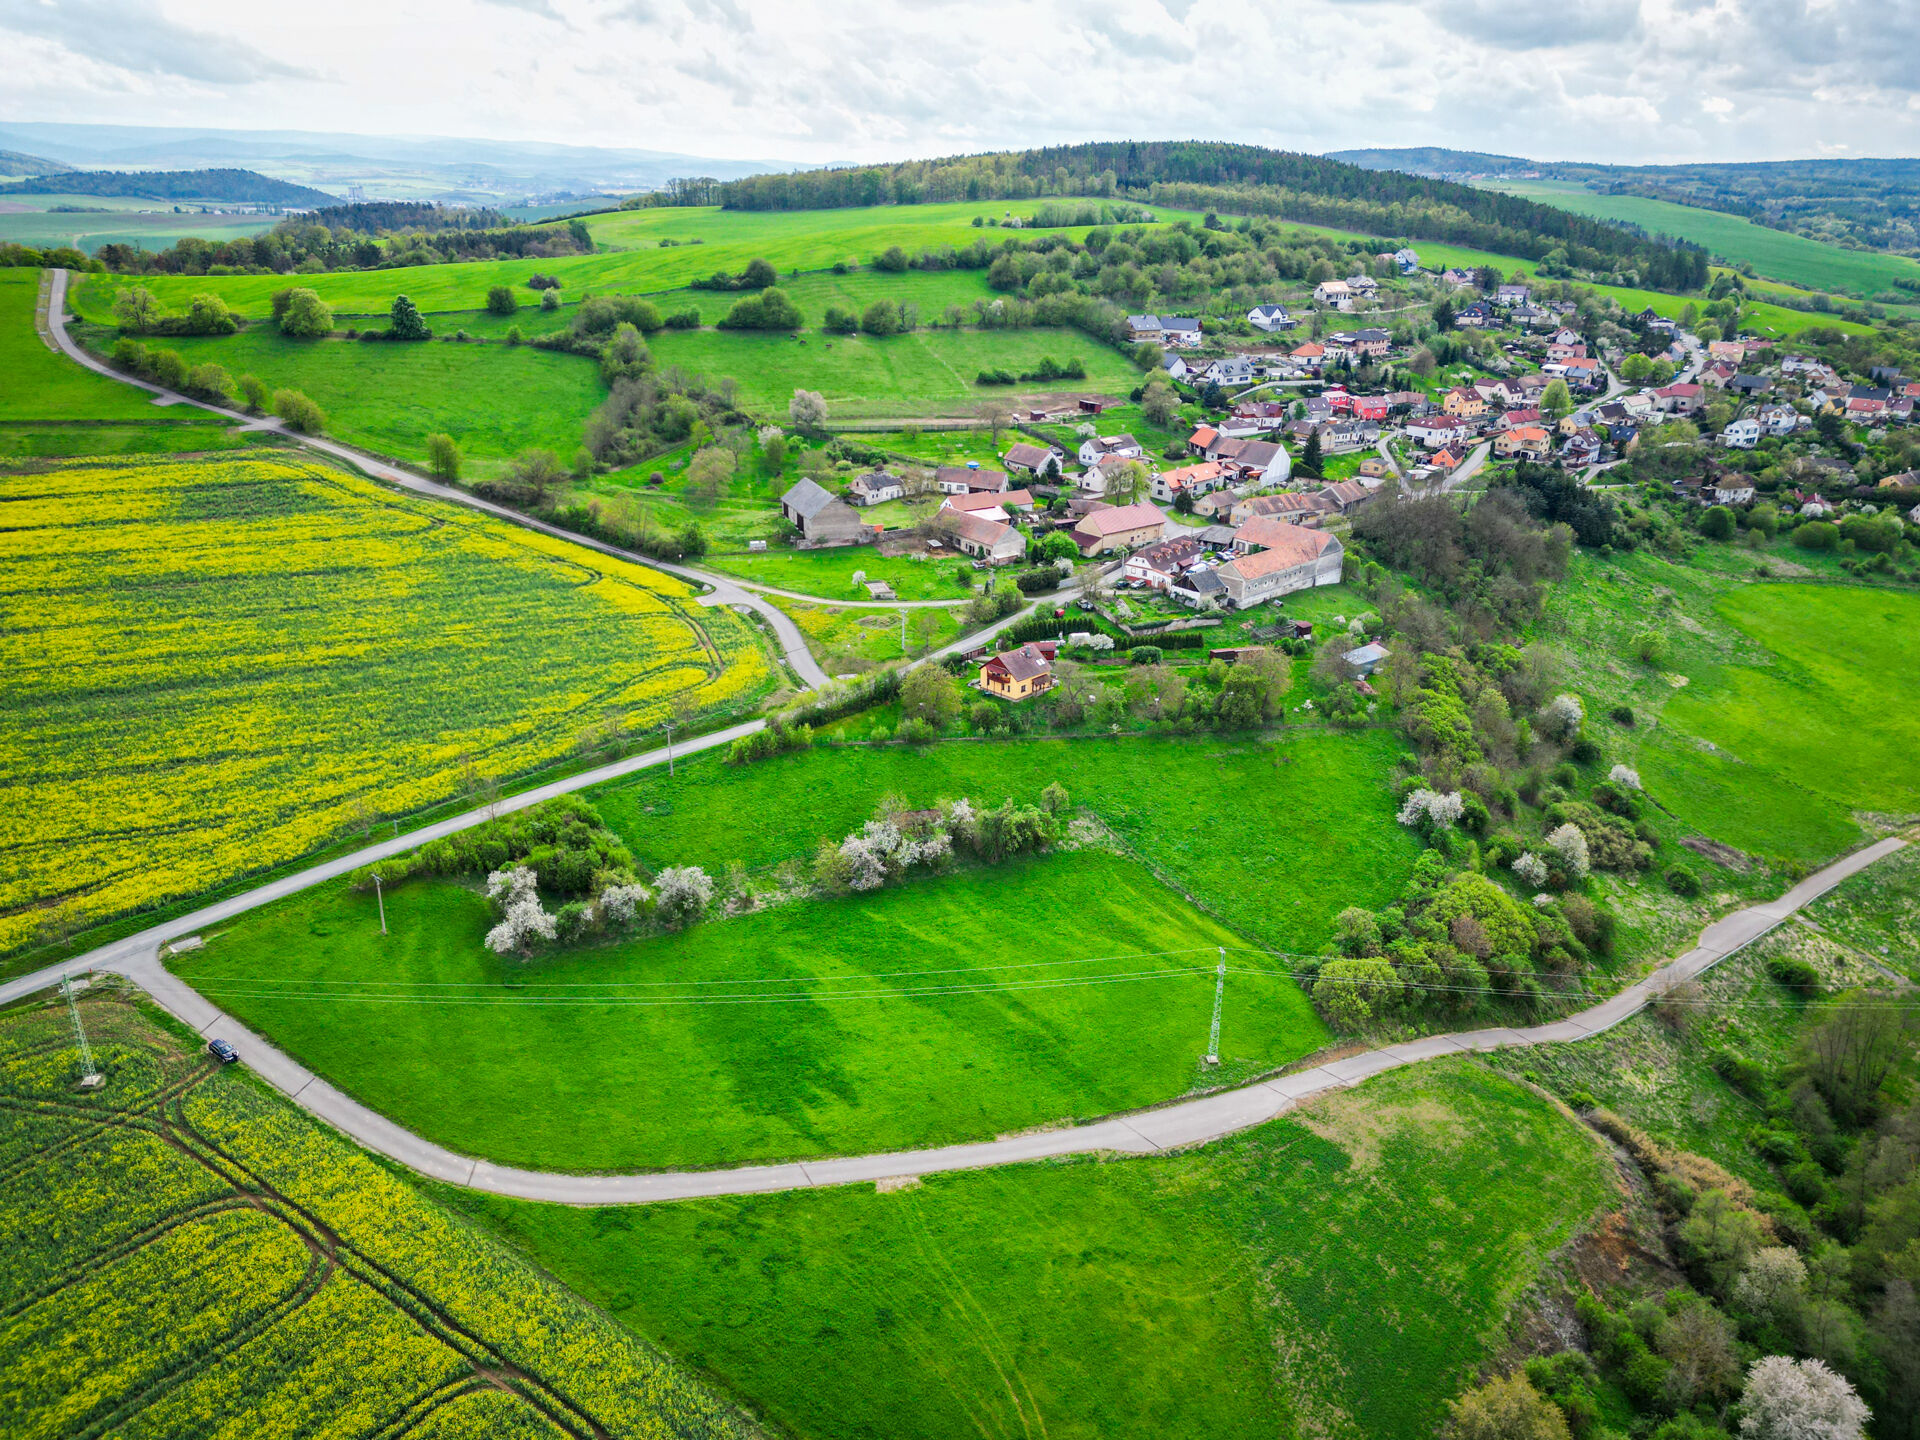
(1788, 1399)
(1772, 1281)
(621, 903)
(1571, 846)
(1532, 869)
(1625, 776)
(683, 894)
(1562, 719)
(523, 920)
(1442, 811)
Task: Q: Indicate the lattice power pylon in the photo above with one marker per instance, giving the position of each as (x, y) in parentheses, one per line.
(90, 1077)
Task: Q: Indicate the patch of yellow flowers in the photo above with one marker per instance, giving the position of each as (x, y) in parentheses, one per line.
(212, 666)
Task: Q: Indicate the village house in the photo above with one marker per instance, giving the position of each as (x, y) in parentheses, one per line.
(1464, 403)
(1582, 447)
(1406, 261)
(1476, 315)
(1230, 370)
(1367, 658)
(823, 518)
(1097, 478)
(1036, 460)
(1575, 351)
(1161, 564)
(1181, 330)
(980, 537)
(1729, 487)
(1446, 460)
(1333, 295)
(1264, 462)
(1201, 588)
(1121, 527)
(1374, 467)
(875, 488)
(1732, 351)
(1262, 532)
(1310, 356)
(1680, 399)
(1371, 343)
(967, 479)
(1343, 497)
(1750, 385)
(1017, 674)
(1290, 506)
(994, 505)
(1296, 562)
(1509, 295)
(1778, 419)
(1362, 285)
(1527, 442)
(1110, 447)
(1176, 368)
(1457, 277)
(1436, 431)
(1270, 318)
(1741, 434)
(1168, 486)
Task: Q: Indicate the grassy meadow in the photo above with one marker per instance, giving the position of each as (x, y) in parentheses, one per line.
(1777, 254)
(189, 1254)
(1339, 1272)
(926, 373)
(830, 573)
(632, 259)
(1273, 835)
(1777, 711)
(29, 220)
(495, 400)
(941, 1010)
(37, 384)
(216, 665)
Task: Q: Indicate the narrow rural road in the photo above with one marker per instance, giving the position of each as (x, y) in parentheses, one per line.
(724, 589)
(1183, 1123)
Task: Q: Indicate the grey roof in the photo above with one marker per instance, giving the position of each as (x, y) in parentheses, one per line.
(1202, 582)
(807, 499)
(1178, 322)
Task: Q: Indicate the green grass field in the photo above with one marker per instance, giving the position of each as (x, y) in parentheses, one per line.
(27, 440)
(1777, 254)
(926, 373)
(1274, 836)
(1877, 912)
(37, 384)
(829, 573)
(942, 1010)
(187, 1254)
(104, 221)
(1337, 1273)
(495, 400)
(1779, 710)
(796, 241)
(847, 641)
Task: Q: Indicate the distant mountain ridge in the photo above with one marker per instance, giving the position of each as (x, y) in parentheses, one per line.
(12, 162)
(245, 186)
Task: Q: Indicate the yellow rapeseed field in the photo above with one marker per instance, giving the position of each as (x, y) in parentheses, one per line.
(214, 665)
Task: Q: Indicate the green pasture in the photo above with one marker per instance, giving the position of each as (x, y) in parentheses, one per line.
(1778, 710)
(37, 384)
(1340, 1272)
(25, 440)
(829, 573)
(941, 1010)
(632, 262)
(495, 400)
(1876, 913)
(1777, 254)
(152, 228)
(928, 372)
(1274, 835)
(848, 641)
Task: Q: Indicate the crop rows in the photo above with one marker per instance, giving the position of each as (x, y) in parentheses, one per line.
(217, 665)
(199, 1259)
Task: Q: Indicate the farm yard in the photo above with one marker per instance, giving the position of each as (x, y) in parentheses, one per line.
(825, 1026)
(188, 1254)
(1339, 1272)
(216, 665)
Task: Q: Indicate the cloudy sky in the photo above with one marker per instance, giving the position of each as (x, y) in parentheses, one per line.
(820, 80)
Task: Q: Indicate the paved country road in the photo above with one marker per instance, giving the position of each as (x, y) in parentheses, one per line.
(1183, 1123)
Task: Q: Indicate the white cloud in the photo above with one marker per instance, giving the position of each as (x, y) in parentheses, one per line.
(810, 80)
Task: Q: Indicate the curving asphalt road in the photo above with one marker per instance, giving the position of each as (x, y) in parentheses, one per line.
(1174, 1126)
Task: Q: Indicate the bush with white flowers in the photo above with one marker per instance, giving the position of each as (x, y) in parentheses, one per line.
(522, 918)
(1571, 847)
(682, 894)
(1562, 719)
(1531, 868)
(1441, 811)
(1625, 776)
(621, 904)
(879, 851)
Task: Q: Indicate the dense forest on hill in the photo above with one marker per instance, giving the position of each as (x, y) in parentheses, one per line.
(242, 185)
(1246, 180)
(1875, 203)
(382, 217)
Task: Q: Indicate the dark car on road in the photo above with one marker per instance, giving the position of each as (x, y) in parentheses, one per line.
(222, 1051)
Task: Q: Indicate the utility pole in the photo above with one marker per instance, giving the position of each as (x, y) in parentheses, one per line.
(90, 1078)
(1219, 994)
(380, 899)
